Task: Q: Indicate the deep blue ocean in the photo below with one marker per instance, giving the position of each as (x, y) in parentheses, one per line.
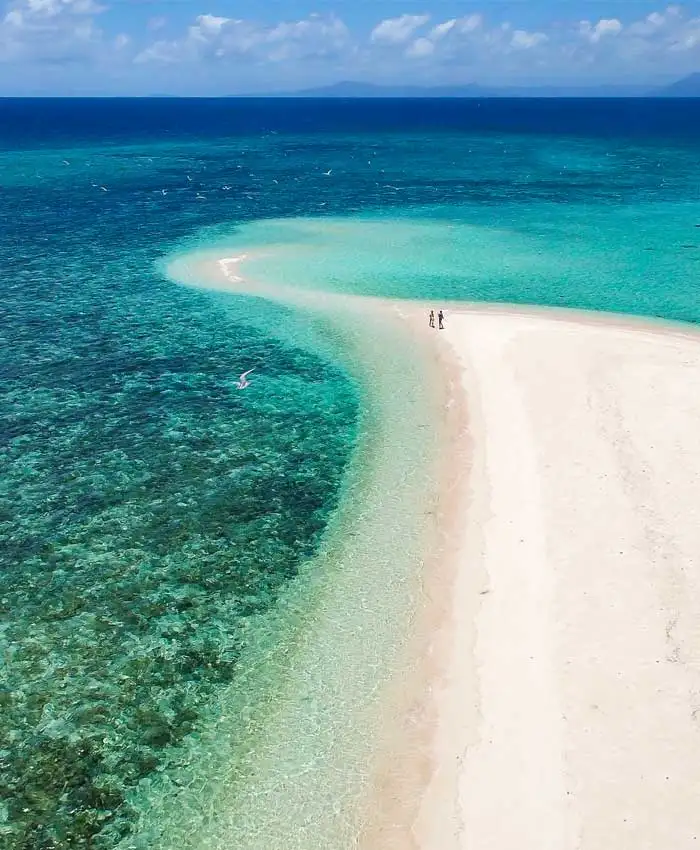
(149, 511)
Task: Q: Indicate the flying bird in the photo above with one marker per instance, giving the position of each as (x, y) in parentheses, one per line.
(328, 173)
(243, 381)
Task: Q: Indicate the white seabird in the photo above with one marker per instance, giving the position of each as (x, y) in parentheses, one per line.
(243, 381)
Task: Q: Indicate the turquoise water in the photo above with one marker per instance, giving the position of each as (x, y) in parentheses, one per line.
(162, 532)
(635, 260)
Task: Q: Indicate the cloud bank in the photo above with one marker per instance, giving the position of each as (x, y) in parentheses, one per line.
(218, 54)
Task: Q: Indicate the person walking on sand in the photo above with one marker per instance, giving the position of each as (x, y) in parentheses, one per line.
(431, 319)
(441, 316)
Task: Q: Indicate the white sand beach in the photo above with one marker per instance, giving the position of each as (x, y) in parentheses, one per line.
(550, 698)
(568, 710)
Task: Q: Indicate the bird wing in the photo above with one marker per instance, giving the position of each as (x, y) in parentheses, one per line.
(245, 374)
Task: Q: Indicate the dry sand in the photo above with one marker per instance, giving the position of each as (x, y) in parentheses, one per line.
(568, 712)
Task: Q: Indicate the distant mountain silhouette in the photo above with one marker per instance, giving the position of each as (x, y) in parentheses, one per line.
(350, 89)
(473, 90)
(687, 87)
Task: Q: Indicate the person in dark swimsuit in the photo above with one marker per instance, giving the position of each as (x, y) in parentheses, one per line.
(440, 318)
(431, 319)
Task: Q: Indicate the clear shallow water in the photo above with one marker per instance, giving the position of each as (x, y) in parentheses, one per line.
(153, 517)
(289, 751)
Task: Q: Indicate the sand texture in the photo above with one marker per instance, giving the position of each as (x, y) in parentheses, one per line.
(569, 707)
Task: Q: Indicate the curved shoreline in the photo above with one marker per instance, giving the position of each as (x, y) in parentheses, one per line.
(447, 753)
(323, 709)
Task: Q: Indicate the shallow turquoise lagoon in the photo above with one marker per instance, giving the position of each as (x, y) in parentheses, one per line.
(632, 259)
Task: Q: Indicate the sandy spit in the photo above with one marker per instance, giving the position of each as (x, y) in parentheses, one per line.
(552, 699)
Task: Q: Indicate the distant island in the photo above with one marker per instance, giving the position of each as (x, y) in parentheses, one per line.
(687, 87)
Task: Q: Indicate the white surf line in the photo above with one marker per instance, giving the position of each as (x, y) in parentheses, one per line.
(225, 264)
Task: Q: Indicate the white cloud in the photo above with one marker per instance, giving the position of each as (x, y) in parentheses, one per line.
(470, 28)
(445, 39)
(208, 25)
(666, 41)
(55, 31)
(398, 30)
(604, 27)
(440, 30)
(470, 23)
(420, 48)
(476, 48)
(219, 38)
(654, 23)
(525, 40)
(465, 40)
(315, 37)
(321, 48)
(38, 9)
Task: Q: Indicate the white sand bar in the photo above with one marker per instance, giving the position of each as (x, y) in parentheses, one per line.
(569, 711)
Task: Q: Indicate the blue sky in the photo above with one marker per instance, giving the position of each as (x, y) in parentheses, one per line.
(209, 47)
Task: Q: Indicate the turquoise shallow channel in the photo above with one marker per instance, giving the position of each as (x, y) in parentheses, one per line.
(193, 636)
